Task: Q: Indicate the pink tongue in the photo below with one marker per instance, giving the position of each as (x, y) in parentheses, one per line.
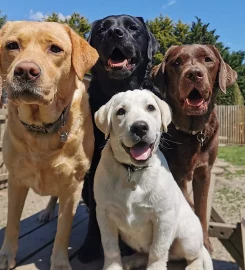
(140, 153)
(116, 63)
(195, 102)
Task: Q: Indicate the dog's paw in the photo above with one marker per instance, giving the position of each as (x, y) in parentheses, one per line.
(134, 261)
(60, 265)
(113, 266)
(128, 264)
(7, 261)
(46, 215)
(189, 267)
(208, 245)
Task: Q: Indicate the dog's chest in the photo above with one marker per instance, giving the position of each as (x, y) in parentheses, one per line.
(134, 222)
(44, 175)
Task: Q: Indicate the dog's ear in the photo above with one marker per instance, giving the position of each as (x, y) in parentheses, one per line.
(157, 73)
(227, 76)
(102, 117)
(84, 56)
(153, 44)
(89, 39)
(166, 113)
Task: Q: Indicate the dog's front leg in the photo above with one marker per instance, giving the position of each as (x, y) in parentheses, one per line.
(16, 200)
(109, 237)
(201, 182)
(68, 202)
(163, 230)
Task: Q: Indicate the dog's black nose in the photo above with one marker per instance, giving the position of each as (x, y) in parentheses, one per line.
(116, 32)
(139, 128)
(27, 71)
(194, 74)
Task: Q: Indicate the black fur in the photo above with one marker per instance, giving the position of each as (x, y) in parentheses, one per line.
(135, 42)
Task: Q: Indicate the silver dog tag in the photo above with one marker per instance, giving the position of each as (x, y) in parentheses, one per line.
(63, 136)
(129, 184)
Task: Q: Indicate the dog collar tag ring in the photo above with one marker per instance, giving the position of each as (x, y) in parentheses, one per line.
(63, 136)
(63, 132)
(201, 138)
(128, 183)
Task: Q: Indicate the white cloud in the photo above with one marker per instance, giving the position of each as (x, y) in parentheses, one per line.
(40, 16)
(36, 16)
(169, 3)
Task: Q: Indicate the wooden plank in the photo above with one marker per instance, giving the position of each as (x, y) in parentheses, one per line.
(36, 240)
(28, 225)
(232, 124)
(221, 230)
(41, 259)
(243, 233)
(98, 265)
(233, 244)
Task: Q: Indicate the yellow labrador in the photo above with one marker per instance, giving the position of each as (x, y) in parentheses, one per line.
(48, 143)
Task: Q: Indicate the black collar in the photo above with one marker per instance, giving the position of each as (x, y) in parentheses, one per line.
(132, 168)
(200, 134)
(51, 127)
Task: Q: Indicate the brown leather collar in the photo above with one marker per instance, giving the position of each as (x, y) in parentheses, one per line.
(51, 127)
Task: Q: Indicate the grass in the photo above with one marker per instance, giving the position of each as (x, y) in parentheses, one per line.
(233, 154)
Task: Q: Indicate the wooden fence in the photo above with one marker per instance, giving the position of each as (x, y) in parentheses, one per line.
(232, 131)
(232, 124)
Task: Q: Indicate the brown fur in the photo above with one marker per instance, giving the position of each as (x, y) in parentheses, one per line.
(187, 158)
(41, 161)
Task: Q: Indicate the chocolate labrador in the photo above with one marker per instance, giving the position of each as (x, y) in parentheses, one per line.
(126, 49)
(189, 79)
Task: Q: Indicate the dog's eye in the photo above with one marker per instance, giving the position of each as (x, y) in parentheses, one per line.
(177, 62)
(121, 111)
(133, 28)
(151, 108)
(13, 46)
(101, 30)
(55, 49)
(208, 59)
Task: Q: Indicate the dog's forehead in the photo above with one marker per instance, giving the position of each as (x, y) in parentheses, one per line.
(134, 97)
(36, 31)
(193, 51)
(117, 20)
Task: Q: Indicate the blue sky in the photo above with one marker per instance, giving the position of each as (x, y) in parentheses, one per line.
(228, 17)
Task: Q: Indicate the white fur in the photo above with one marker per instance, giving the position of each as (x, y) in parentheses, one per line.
(155, 218)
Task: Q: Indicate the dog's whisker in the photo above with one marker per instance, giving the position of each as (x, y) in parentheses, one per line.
(172, 141)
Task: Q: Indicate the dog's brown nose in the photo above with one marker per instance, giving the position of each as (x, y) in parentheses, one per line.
(194, 74)
(139, 128)
(27, 71)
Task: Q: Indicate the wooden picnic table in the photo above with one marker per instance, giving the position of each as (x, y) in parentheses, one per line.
(36, 243)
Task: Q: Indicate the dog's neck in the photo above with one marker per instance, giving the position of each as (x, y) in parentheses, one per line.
(191, 124)
(57, 126)
(110, 86)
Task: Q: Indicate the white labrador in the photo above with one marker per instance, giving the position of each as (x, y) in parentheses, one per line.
(135, 192)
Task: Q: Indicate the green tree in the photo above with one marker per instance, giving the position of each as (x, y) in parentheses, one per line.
(167, 33)
(77, 22)
(233, 96)
(3, 19)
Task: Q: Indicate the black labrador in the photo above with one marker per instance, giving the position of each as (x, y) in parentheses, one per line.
(126, 48)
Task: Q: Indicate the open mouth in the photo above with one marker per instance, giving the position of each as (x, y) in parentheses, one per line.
(141, 151)
(194, 99)
(118, 60)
